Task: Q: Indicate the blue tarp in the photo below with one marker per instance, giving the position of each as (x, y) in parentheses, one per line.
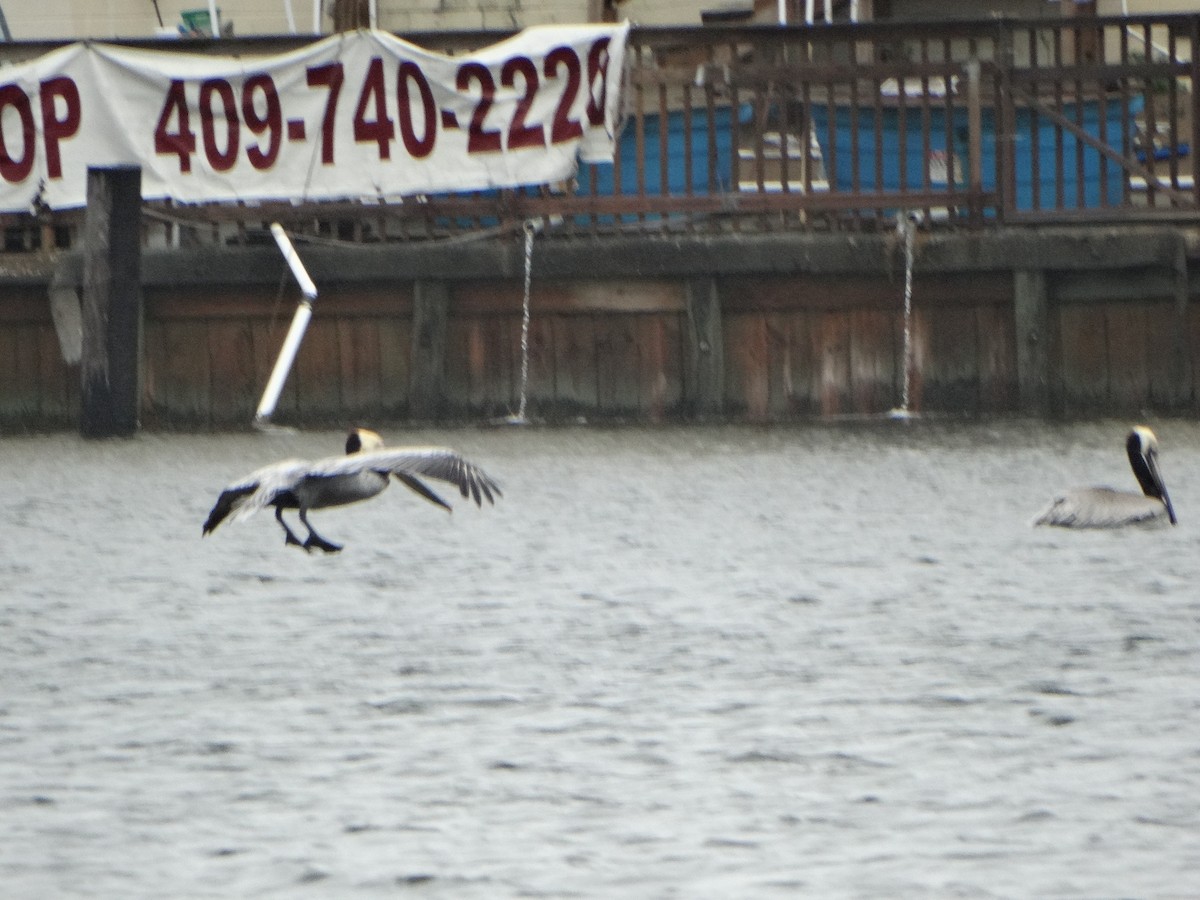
(911, 165)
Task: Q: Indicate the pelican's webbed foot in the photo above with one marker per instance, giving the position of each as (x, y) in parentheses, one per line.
(289, 535)
(315, 540)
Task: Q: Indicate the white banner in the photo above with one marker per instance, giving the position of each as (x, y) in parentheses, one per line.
(361, 115)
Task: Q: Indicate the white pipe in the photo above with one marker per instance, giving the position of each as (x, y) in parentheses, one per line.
(373, 13)
(853, 10)
(782, 12)
(291, 16)
(316, 16)
(283, 365)
(291, 343)
(214, 18)
(293, 261)
(828, 4)
(810, 11)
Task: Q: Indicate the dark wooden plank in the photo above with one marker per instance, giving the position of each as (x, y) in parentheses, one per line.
(501, 371)
(1193, 337)
(875, 386)
(29, 384)
(575, 363)
(317, 371)
(652, 359)
(395, 344)
(998, 383)
(478, 298)
(1128, 375)
(466, 363)
(670, 336)
(358, 353)
(951, 372)
(10, 405)
(833, 353)
(801, 369)
(178, 372)
(915, 369)
(231, 353)
(1084, 355)
(111, 302)
(747, 376)
(616, 365)
(1168, 388)
(778, 360)
(58, 401)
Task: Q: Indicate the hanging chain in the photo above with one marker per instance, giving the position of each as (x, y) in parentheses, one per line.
(530, 229)
(908, 228)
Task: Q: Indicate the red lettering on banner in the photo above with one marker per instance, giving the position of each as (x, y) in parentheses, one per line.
(597, 65)
(328, 76)
(565, 128)
(410, 73)
(14, 169)
(271, 120)
(55, 129)
(380, 129)
(519, 133)
(220, 160)
(479, 139)
(181, 141)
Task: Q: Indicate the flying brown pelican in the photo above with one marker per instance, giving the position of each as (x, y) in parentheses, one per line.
(359, 475)
(1103, 507)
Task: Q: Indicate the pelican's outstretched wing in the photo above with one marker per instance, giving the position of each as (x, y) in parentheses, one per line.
(409, 464)
(1102, 507)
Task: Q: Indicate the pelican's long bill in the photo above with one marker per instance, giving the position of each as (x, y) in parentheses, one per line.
(1142, 447)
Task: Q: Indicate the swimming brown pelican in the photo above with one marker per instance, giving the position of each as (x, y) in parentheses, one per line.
(359, 475)
(1103, 507)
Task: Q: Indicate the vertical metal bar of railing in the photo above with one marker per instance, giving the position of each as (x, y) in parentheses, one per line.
(1103, 126)
(877, 112)
(1060, 175)
(1123, 99)
(1194, 95)
(1078, 35)
(1005, 130)
(689, 164)
(926, 124)
(1149, 116)
(1173, 112)
(975, 138)
(948, 102)
(664, 148)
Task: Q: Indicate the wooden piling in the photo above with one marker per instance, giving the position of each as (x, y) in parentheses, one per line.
(427, 387)
(1032, 324)
(112, 303)
(704, 377)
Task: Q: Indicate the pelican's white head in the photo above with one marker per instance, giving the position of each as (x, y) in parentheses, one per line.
(1142, 447)
(362, 439)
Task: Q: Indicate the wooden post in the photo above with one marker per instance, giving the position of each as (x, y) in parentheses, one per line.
(427, 385)
(1181, 356)
(112, 302)
(1033, 329)
(705, 348)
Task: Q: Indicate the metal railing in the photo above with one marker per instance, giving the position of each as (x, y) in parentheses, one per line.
(833, 127)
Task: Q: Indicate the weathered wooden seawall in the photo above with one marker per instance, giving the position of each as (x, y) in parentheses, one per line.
(1088, 320)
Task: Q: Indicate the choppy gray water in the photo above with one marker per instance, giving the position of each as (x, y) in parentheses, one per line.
(828, 661)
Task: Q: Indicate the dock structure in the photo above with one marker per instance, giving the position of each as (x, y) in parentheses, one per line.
(738, 259)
